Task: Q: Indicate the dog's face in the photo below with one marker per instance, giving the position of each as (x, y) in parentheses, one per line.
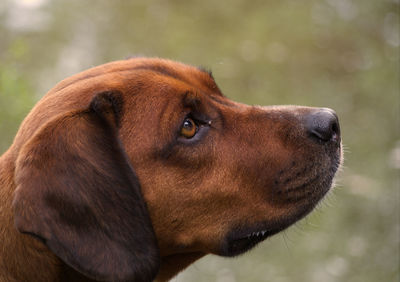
(216, 176)
(219, 176)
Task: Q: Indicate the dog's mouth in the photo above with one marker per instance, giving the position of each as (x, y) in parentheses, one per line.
(300, 198)
(240, 242)
(241, 239)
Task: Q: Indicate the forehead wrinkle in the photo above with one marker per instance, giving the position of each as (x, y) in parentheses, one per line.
(161, 70)
(190, 75)
(220, 100)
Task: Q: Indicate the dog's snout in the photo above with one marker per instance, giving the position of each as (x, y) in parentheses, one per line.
(323, 125)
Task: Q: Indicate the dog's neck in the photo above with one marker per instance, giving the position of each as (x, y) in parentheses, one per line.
(173, 264)
(20, 255)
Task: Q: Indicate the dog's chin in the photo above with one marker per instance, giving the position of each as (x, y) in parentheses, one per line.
(244, 237)
(241, 239)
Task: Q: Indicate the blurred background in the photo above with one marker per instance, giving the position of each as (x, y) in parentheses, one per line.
(342, 54)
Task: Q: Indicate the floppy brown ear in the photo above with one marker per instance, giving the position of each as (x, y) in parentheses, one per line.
(77, 192)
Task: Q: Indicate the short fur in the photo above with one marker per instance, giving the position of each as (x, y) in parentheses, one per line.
(99, 185)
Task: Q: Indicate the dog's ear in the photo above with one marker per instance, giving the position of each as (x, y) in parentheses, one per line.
(77, 192)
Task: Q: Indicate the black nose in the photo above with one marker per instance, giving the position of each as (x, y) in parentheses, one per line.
(323, 125)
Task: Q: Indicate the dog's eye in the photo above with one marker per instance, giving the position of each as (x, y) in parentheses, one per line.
(189, 128)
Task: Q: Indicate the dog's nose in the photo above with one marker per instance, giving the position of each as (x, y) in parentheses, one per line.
(323, 125)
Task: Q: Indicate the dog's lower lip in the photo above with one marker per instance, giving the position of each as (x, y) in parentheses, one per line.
(253, 236)
(240, 243)
(262, 233)
(258, 235)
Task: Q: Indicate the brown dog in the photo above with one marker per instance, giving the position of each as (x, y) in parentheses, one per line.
(137, 168)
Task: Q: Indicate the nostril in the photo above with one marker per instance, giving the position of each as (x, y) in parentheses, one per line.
(323, 125)
(335, 127)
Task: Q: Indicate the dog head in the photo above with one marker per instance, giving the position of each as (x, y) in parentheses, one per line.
(146, 158)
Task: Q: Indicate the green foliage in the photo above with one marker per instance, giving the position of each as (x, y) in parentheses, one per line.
(15, 95)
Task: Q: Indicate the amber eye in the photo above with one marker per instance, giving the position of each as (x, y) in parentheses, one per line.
(189, 128)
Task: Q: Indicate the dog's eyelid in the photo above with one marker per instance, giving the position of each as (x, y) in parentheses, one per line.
(199, 118)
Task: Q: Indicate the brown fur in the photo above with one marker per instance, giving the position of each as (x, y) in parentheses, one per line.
(99, 185)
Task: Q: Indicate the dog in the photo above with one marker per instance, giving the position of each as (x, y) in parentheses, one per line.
(133, 170)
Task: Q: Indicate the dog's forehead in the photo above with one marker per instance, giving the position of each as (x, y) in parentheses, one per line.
(122, 74)
(197, 77)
